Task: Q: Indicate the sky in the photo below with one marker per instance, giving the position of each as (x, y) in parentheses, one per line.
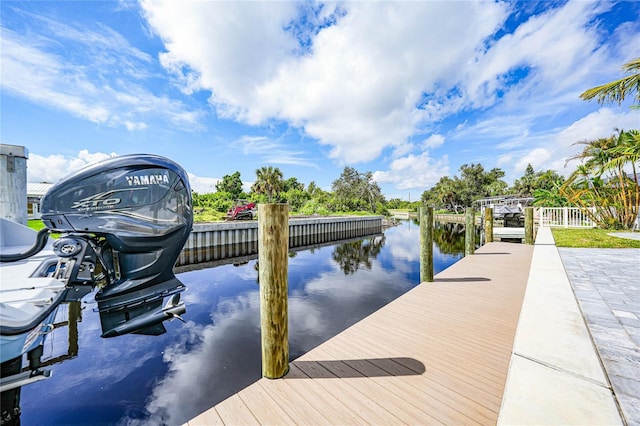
(409, 91)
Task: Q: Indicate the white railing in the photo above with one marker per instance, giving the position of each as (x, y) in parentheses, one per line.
(567, 217)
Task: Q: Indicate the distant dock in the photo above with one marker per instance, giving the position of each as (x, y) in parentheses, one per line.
(500, 233)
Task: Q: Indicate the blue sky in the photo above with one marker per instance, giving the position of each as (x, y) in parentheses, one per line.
(407, 90)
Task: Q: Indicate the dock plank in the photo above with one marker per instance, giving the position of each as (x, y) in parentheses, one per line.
(425, 392)
(263, 408)
(233, 411)
(439, 354)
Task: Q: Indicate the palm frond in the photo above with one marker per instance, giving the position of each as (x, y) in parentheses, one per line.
(616, 91)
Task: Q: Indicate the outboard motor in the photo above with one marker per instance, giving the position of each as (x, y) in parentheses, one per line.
(124, 222)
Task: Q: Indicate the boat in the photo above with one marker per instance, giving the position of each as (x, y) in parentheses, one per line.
(28, 298)
(120, 226)
(507, 208)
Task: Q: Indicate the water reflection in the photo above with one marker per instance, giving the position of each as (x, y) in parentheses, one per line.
(170, 378)
(139, 312)
(449, 237)
(358, 254)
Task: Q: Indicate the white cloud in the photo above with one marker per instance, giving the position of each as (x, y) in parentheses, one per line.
(380, 72)
(360, 78)
(355, 88)
(554, 148)
(504, 159)
(202, 185)
(433, 141)
(273, 151)
(414, 172)
(536, 158)
(600, 124)
(34, 68)
(54, 167)
(135, 126)
(550, 47)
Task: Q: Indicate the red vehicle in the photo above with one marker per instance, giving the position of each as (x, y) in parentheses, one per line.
(242, 210)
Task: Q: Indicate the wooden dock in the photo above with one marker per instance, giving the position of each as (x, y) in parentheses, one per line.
(439, 354)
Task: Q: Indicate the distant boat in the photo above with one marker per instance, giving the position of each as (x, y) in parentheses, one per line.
(508, 208)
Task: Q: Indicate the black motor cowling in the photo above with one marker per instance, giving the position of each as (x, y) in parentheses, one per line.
(133, 213)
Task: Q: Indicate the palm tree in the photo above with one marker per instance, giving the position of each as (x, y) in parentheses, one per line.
(602, 180)
(269, 181)
(617, 91)
(627, 151)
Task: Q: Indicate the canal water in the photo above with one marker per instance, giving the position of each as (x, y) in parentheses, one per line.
(171, 378)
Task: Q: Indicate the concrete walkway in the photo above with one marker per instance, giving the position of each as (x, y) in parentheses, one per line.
(627, 235)
(555, 375)
(606, 283)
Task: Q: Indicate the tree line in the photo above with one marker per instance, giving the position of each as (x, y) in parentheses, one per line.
(356, 191)
(352, 191)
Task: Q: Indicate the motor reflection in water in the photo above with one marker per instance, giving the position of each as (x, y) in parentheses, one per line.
(140, 312)
(172, 377)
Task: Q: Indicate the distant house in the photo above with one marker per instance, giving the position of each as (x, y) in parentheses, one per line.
(35, 192)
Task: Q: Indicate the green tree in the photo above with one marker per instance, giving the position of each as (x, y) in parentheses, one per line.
(531, 181)
(549, 198)
(357, 191)
(312, 188)
(269, 182)
(616, 91)
(548, 180)
(443, 193)
(231, 184)
(296, 198)
(546, 190)
(525, 185)
(603, 181)
(459, 192)
(319, 201)
(292, 183)
(477, 183)
(397, 203)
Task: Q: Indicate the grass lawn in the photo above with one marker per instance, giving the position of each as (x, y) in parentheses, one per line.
(35, 224)
(590, 238)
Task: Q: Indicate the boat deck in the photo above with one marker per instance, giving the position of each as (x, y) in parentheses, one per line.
(439, 354)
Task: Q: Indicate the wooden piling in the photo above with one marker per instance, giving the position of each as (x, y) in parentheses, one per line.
(488, 225)
(469, 231)
(528, 225)
(426, 244)
(273, 255)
